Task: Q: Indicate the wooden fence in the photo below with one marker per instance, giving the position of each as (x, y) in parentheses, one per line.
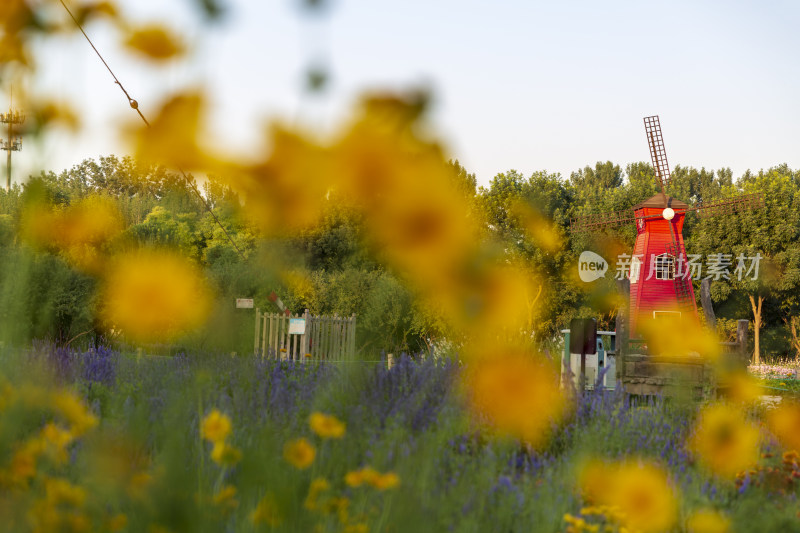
(324, 337)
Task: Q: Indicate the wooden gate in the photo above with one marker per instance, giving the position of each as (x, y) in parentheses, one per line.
(330, 338)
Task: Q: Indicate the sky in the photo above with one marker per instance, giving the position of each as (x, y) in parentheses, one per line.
(524, 85)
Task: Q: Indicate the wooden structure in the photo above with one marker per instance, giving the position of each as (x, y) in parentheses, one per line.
(660, 280)
(327, 338)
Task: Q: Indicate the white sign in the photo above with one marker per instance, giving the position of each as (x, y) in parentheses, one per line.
(244, 303)
(297, 326)
(591, 267)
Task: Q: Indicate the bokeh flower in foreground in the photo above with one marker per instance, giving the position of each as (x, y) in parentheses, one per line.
(707, 521)
(639, 493)
(299, 453)
(724, 441)
(216, 426)
(79, 232)
(326, 426)
(516, 392)
(694, 338)
(784, 421)
(153, 296)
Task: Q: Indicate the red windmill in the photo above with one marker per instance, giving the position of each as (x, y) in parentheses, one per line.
(661, 282)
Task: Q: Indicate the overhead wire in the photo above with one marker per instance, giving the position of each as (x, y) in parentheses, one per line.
(135, 106)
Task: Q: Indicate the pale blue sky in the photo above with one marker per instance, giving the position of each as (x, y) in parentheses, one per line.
(525, 85)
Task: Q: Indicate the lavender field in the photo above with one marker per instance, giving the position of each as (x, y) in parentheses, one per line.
(138, 452)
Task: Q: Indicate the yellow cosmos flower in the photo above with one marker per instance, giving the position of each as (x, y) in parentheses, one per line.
(79, 231)
(386, 481)
(266, 512)
(224, 454)
(724, 441)
(226, 499)
(299, 453)
(707, 521)
(694, 338)
(326, 426)
(517, 394)
(639, 493)
(216, 426)
(155, 43)
(154, 296)
(55, 440)
(356, 478)
(74, 411)
(118, 522)
(784, 422)
(317, 487)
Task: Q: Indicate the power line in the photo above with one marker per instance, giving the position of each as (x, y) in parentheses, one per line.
(135, 106)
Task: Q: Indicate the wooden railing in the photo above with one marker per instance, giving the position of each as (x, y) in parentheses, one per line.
(323, 337)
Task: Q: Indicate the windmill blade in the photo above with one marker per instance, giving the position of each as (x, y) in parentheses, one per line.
(657, 153)
(601, 220)
(729, 206)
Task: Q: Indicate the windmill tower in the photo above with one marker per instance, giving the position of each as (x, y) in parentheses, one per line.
(661, 283)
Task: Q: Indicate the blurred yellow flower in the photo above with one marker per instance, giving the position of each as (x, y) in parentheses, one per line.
(79, 232)
(224, 454)
(59, 491)
(356, 478)
(707, 521)
(360, 527)
(55, 440)
(541, 231)
(299, 453)
(76, 413)
(226, 498)
(742, 387)
(266, 512)
(724, 441)
(639, 492)
(23, 463)
(326, 426)
(517, 394)
(287, 192)
(386, 481)
(216, 426)
(154, 295)
(317, 486)
(784, 422)
(694, 338)
(118, 522)
(154, 42)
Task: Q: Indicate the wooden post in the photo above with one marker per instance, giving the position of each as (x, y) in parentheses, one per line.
(304, 337)
(389, 361)
(705, 300)
(741, 340)
(255, 335)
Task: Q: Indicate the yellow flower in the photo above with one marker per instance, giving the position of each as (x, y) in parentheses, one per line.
(118, 522)
(79, 231)
(386, 481)
(155, 43)
(317, 486)
(74, 411)
(216, 426)
(694, 338)
(266, 512)
(724, 441)
(326, 426)
(225, 454)
(784, 421)
(361, 527)
(55, 440)
(356, 478)
(639, 493)
(23, 463)
(517, 394)
(707, 521)
(226, 498)
(299, 453)
(58, 491)
(154, 295)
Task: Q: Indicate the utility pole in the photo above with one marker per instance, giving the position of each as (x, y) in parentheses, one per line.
(11, 144)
